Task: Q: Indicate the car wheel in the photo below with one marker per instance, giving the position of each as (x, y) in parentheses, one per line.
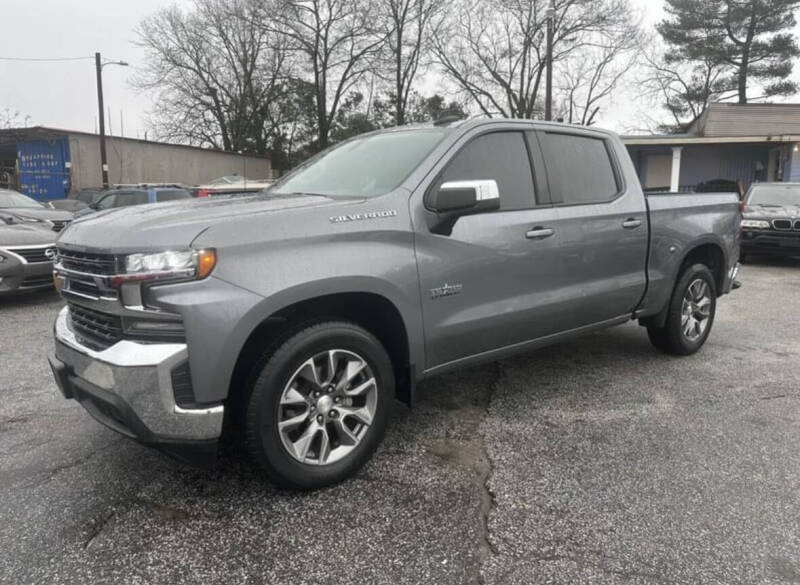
(743, 257)
(317, 409)
(690, 315)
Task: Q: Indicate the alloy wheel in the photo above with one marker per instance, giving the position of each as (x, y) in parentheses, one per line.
(696, 310)
(327, 407)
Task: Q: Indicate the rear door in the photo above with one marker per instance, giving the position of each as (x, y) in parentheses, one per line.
(602, 226)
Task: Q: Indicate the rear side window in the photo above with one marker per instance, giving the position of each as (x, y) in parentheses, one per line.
(502, 156)
(171, 195)
(579, 169)
(130, 198)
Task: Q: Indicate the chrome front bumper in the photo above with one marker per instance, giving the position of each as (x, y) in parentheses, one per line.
(135, 379)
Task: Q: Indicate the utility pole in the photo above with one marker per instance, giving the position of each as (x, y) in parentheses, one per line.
(98, 63)
(103, 161)
(548, 106)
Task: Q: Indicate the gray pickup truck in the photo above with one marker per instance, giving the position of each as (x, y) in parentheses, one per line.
(297, 315)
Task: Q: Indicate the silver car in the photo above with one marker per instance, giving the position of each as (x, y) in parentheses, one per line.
(26, 255)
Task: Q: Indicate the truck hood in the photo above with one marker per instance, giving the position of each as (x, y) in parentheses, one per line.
(176, 224)
(24, 235)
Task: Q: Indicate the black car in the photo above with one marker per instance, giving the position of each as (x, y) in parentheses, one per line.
(771, 220)
(31, 211)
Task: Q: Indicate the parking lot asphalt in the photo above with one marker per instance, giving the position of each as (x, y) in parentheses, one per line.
(595, 461)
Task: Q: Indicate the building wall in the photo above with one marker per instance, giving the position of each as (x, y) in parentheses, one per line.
(136, 161)
(743, 163)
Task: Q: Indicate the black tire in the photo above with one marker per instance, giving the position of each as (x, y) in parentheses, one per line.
(743, 258)
(671, 338)
(262, 437)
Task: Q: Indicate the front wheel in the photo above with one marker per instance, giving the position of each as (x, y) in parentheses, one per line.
(317, 410)
(690, 315)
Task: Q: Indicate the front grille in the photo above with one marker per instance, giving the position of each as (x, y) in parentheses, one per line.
(32, 255)
(84, 287)
(105, 264)
(37, 281)
(782, 224)
(797, 225)
(95, 329)
(59, 224)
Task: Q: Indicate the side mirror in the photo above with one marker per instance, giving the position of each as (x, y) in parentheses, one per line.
(93, 206)
(464, 197)
(456, 198)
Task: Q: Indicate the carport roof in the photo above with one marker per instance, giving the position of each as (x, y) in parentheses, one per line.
(10, 136)
(734, 123)
(686, 139)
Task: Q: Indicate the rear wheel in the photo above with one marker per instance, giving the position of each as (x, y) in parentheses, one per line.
(690, 315)
(317, 410)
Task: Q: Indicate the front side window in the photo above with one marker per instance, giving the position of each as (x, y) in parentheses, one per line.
(107, 202)
(363, 167)
(579, 169)
(501, 157)
(131, 198)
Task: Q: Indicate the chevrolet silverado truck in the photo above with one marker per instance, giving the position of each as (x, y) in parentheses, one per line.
(299, 314)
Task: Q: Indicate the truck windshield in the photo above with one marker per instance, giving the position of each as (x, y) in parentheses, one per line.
(363, 167)
(777, 195)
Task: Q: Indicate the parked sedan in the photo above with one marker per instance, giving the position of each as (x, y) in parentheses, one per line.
(31, 211)
(26, 255)
(771, 220)
(134, 196)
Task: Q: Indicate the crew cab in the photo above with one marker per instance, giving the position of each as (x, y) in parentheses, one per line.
(297, 315)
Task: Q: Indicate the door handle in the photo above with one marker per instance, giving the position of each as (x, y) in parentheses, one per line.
(539, 233)
(631, 223)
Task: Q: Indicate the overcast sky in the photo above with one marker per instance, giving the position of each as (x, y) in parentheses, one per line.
(63, 94)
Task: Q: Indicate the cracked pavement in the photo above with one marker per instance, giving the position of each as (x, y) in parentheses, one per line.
(594, 461)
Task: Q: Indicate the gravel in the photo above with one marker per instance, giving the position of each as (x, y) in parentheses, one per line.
(595, 461)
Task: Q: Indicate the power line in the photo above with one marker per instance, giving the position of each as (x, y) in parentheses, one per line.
(45, 60)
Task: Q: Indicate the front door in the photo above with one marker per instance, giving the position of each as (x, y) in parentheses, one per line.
(492, 281)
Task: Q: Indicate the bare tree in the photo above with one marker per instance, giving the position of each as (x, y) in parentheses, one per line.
(12, 118)
(217, 70)
(589, 77)
(494, 50)
(410, 26)
(338, 40)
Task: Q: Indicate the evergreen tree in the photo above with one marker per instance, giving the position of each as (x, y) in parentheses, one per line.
(750, 39)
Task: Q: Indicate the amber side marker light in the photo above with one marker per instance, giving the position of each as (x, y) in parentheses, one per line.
(206, 261)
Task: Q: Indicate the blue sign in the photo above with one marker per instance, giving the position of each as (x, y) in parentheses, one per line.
(43, 169)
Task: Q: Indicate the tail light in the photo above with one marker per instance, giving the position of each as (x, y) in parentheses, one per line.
(742, 206)
(203, 192)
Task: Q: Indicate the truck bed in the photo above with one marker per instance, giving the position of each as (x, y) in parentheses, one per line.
(678, 223)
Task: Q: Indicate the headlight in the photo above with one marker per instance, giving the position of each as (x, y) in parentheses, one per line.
(181, 265)
(757, 224)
